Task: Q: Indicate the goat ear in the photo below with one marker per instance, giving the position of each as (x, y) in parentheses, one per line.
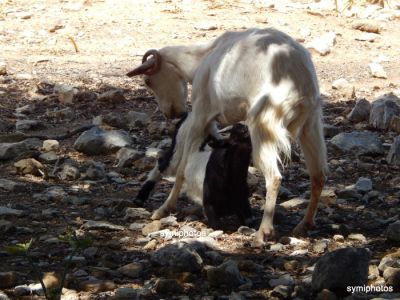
(148, 66)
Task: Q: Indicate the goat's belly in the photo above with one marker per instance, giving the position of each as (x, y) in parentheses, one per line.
(194, 176)
(233, 113)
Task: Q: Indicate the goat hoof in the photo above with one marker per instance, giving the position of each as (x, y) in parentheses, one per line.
(159, 214)
(260, 237)
(302, 229)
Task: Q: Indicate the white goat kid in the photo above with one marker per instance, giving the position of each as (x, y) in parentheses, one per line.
(260, 76)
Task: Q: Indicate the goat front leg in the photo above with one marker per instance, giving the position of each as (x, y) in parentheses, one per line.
(189, 139)
(170, 204)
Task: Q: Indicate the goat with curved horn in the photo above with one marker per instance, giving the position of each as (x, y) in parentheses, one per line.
(148, 66)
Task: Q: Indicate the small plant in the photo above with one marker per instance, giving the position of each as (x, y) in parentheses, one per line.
(69, 237)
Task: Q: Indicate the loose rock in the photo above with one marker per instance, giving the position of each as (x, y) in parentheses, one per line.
(393, 156)
(101, 225)
(12, 186)
(360, 112)
(126, 293)
(30, 166)
(226, 274)
(377, 70)
(383, 110)
(341, 268)
(97, 141)
(362, 143)
(127, 156)
(23, 125)
(323, 44)
(393, 232)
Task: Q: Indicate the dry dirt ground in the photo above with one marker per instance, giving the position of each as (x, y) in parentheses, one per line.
(37, 46)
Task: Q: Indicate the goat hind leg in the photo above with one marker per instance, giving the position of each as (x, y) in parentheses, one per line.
(265, 157)
(314, 150)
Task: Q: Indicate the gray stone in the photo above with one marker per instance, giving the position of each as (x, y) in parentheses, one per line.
(245, 230)
(169, 221)
(349, 193)
(283, 280)
(362, 143)
(102, 225)
(393, 156)
(10, 151)
(137, 119)
(126, 293)
(226, 274)
(363, 185)
(69, 171)
(136, 213)
(95, 171)
(97, 141)
(393, 232)
(341, 268)
(6, 211)
(48, 157)
(12, 186)
(132, 270)
(360, 112)
(178, 257)
(23, 125)
(383, 110)
(127, 156)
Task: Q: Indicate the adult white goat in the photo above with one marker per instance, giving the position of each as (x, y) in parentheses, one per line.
(260, 76)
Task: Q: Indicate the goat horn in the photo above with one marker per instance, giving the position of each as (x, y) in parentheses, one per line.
(149, 66)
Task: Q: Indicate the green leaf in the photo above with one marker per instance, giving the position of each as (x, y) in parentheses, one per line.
(19, 249)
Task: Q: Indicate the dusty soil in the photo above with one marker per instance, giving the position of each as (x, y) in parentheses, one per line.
(36, 42)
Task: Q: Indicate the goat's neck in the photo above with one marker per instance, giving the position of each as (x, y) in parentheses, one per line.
(186, 58)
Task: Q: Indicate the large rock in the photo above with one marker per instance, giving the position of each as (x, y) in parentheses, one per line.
(22, 125)
(226, 274)
(362, 143)
(323, 44)
(10, 151)
(178, 258)
(390, 260)
(12, 186)
(393, 232)
(341, 268)
(360, 112)
(393, 156)
(383, 110)
(97, 141)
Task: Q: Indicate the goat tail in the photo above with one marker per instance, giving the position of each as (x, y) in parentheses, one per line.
(270, 138)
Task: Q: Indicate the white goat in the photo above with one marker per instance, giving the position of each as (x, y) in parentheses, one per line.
(261, 76)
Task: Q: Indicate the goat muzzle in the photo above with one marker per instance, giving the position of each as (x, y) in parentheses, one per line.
(149, 66)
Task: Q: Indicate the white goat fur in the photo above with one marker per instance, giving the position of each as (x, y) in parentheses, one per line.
(262, 77)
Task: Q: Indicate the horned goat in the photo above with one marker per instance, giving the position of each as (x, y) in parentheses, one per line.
(260, 76)
(215, 178)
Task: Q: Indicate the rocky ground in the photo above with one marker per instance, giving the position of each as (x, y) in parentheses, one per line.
(62, 67)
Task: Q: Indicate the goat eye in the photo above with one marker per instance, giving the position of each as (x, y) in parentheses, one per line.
(147, 81)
